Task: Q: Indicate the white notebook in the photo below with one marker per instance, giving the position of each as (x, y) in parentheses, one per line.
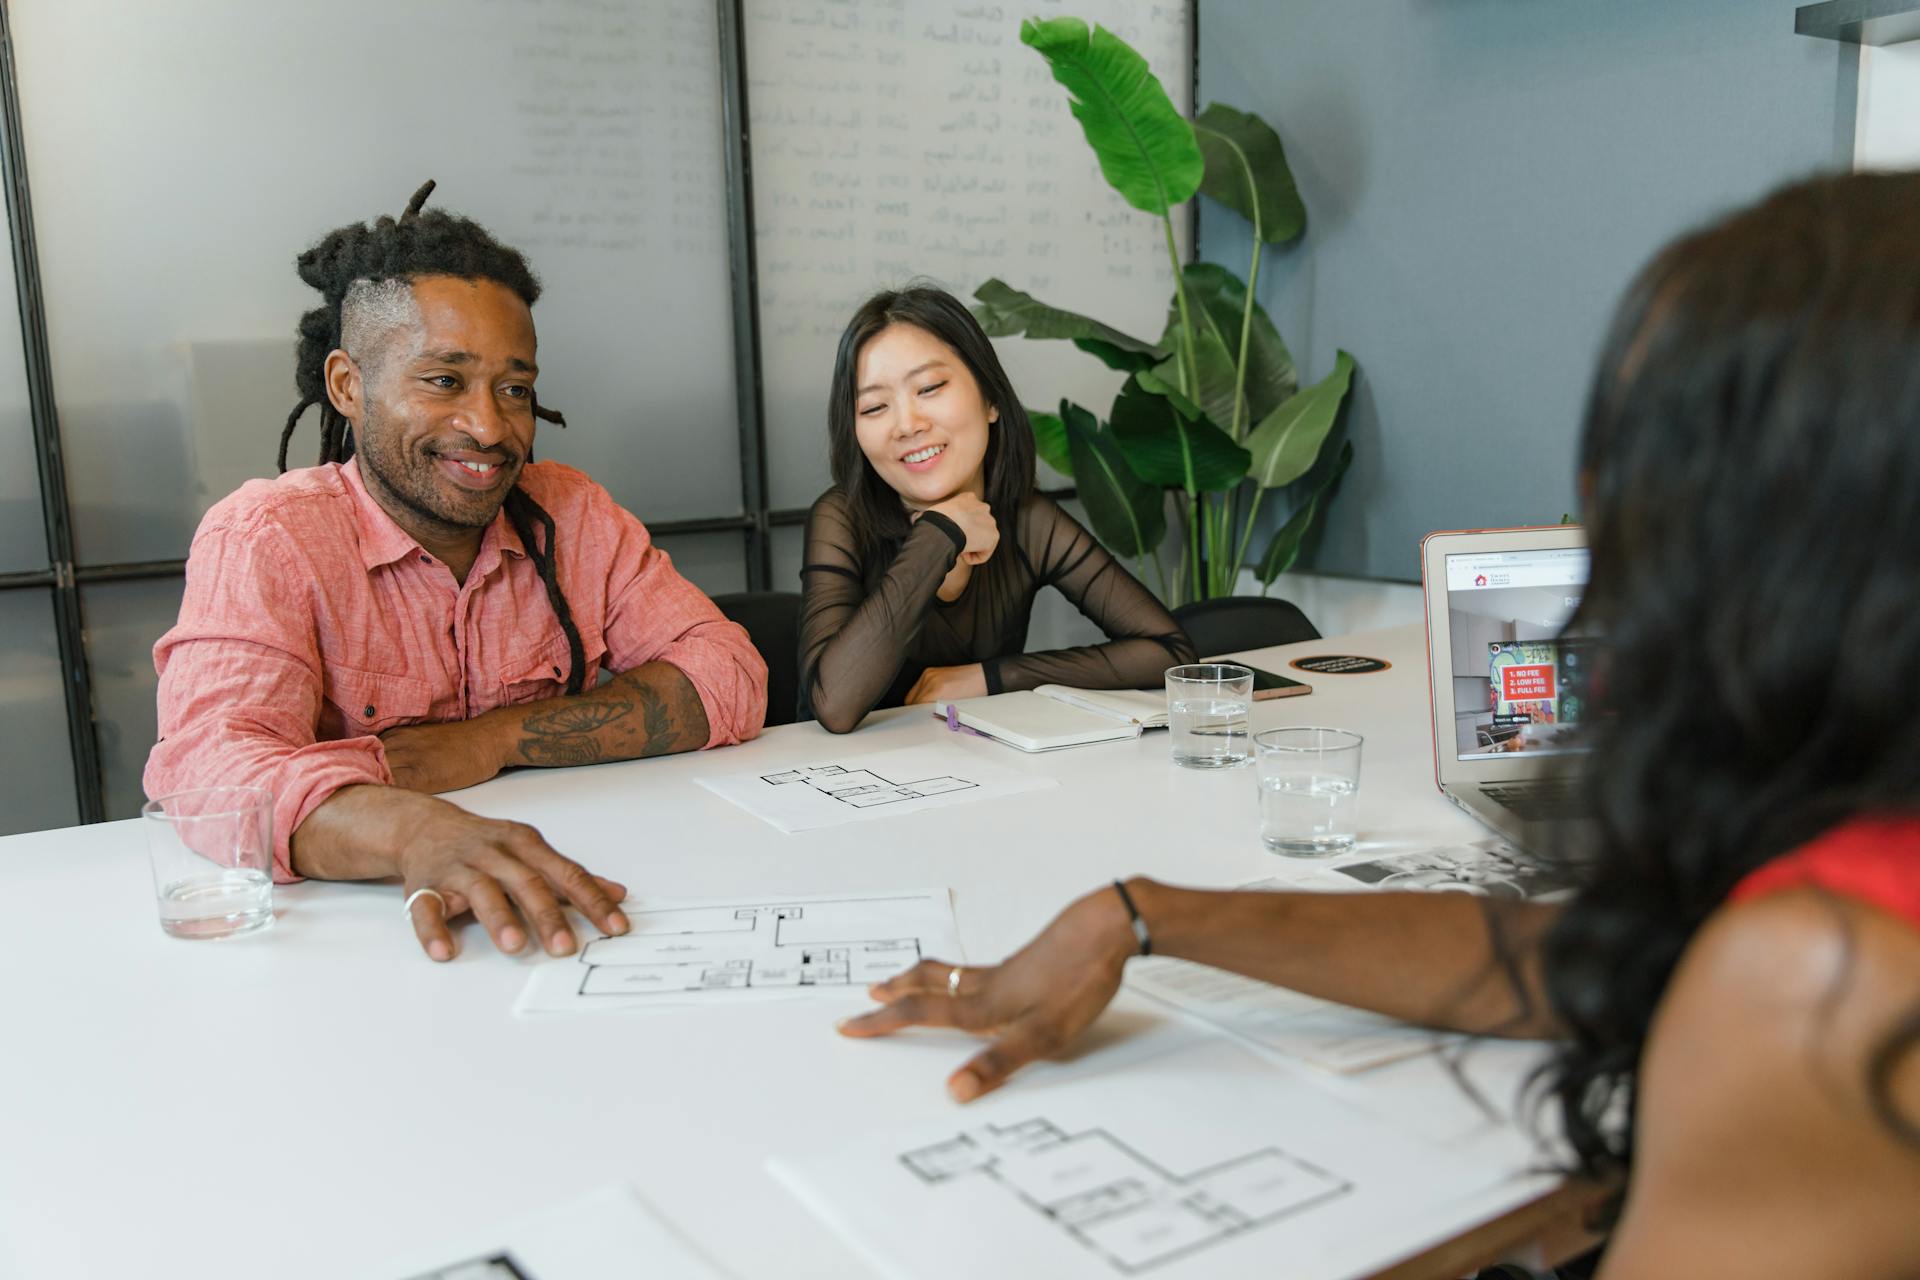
(1054, 716)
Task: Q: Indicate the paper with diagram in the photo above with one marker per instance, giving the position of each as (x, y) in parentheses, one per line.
(885, 784)
(694, 952)
(1204, 1161)
(1321, 1032)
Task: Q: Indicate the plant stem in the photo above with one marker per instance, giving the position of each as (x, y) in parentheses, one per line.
(1253, 509)
(1246, 329)
(1190, 366)
(1193, 541)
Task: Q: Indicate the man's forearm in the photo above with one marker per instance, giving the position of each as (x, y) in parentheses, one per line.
(355, 833)
(1441, 959)
(652, 710)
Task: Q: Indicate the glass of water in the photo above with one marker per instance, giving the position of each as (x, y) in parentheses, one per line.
(212, 854)
(1309, 790)
(1207, 708)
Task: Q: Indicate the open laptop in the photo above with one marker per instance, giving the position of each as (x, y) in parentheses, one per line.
(1508, 693)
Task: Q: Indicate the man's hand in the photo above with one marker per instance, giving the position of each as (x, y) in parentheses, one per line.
(512, 880)
(1035, 1004)
(432, 758)
(938, 684)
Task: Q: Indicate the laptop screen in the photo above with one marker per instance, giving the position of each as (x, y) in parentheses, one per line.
(1516, 685)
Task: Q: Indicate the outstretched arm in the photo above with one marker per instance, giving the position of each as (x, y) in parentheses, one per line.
(1445, 960)
(652, 710)
(1143, 639)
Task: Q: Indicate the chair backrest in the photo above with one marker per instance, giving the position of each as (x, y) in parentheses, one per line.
(1233, 624)
(772, 622)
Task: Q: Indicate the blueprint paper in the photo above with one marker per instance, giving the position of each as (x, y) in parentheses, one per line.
(1321, 1032)
(681, 952)
(1203, 1162)
(590, 1238)
(885, 784)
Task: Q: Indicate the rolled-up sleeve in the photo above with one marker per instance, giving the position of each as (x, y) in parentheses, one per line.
(241, 686)
(655, 615)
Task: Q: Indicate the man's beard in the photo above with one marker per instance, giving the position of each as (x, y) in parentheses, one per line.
(407, 473)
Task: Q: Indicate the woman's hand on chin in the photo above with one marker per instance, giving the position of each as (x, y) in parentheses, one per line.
(945, 684)
(975, 519)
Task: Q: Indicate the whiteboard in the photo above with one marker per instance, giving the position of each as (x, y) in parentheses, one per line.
(182, 154)
(913, 138)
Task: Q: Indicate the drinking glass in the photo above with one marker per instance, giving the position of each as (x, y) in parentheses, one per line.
(1207, 710)
(1309, 790)
(212, 855)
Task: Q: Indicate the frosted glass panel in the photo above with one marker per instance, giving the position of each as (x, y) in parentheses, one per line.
(921, 139)
(184, 153)
(36, 760)
(23, 533)
(788, 544)
(123, 621)
(714, 562)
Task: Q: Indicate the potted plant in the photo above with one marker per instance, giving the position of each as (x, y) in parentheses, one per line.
(1212, 413)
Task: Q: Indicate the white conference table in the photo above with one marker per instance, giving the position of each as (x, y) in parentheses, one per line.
(320, 1098)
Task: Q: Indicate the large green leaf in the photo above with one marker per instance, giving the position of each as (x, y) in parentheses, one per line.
(1127, 514)
(1247, 171)
(1288, 440)
(1050, 440)
(1215, 392)
(1218, 301)
(1146, 148)
(1284, 548)
(1005, 311)
(1167, 443)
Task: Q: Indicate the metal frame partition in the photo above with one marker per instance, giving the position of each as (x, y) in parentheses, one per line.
(65, 577)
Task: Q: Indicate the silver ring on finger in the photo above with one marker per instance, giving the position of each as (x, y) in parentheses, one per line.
(406, 908)
(953, 982)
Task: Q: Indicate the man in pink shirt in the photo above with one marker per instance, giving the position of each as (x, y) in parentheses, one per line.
(428, 606)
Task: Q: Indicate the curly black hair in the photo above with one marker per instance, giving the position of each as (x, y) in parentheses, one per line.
(410, 247)
(1752, 459)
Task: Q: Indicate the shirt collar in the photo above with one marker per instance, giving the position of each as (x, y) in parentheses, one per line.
(382, 541)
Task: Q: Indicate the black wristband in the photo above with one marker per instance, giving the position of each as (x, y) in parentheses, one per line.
(946, 525)
(1133, 918)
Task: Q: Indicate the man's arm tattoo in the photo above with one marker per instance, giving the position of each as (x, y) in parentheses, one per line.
(578, 717)
(658, 720)
(572, 749)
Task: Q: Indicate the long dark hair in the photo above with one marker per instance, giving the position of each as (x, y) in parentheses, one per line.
(879, 520)
(1752, 463)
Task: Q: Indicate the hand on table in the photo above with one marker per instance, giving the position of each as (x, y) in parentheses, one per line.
(937, 684)
(1035, 1004)
(505, 874)
(432, 758)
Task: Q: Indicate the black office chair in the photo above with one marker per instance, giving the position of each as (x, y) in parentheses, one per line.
(1234, 624)
(772, 620)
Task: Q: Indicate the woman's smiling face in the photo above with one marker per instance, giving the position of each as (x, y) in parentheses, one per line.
(919, 416)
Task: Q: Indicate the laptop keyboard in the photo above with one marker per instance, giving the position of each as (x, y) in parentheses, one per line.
(1548, 800)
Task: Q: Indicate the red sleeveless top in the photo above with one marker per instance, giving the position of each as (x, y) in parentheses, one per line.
(1871, 860)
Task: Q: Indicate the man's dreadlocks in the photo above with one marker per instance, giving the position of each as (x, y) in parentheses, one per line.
(417, 245)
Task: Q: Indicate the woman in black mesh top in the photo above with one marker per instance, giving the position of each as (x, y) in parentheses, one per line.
(923, 560)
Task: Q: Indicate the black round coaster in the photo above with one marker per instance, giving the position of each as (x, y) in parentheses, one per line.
(1340, 664)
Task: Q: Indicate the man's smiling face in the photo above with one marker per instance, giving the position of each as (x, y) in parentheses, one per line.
(448, 403)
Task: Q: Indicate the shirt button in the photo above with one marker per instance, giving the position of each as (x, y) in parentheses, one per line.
(369, 711)
(556, 673)
(426, 559)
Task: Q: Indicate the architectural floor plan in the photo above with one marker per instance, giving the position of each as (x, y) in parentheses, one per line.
(885, 784)
(1117, 1202)
(676, 951)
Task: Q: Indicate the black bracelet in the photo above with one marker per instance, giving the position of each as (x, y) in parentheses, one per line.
(1133, 917)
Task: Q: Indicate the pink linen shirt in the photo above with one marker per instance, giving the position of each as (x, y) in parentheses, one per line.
(312, 623)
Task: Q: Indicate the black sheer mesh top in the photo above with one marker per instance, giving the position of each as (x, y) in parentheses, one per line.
(868, 631)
